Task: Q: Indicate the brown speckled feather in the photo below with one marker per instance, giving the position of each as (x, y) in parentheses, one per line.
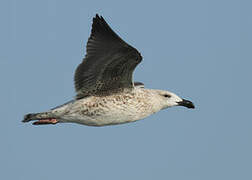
(108, 65)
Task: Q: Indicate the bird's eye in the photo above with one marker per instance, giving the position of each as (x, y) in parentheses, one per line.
(167, 95)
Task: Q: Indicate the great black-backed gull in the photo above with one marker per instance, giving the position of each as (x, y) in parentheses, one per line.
(106, 94)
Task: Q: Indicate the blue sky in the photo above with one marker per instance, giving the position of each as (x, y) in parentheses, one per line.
(200, 49)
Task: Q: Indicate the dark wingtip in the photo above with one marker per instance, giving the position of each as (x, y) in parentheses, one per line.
(98, 22)
(98, 17)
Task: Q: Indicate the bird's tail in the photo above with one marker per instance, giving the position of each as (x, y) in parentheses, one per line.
(43, 118)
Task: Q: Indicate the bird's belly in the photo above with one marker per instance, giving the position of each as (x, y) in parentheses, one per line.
(109, 110)
(107, 118)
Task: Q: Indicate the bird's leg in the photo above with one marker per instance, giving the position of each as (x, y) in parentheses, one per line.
(46, 121)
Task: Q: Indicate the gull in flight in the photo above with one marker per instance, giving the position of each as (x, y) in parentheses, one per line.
(105, 91)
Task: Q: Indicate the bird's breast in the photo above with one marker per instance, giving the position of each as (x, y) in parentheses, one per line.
(108, 110)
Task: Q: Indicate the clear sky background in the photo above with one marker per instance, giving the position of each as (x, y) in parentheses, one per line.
(200, 49)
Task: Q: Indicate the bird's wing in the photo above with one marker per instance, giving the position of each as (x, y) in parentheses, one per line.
(108, 65)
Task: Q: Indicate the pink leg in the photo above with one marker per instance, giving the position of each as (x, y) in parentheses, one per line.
(46, 121)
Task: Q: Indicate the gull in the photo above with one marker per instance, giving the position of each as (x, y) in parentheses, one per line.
(105, 91)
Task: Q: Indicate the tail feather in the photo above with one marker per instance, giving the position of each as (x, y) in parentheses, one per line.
(30, 117)
(38, 116)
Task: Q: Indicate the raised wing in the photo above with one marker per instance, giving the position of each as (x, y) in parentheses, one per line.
(108, 65)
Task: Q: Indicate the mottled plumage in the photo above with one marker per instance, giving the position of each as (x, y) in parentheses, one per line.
(106, 94)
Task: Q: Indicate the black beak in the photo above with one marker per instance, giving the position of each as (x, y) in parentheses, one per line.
(186, 103)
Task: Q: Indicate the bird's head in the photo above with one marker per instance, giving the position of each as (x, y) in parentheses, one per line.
(170, 99)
